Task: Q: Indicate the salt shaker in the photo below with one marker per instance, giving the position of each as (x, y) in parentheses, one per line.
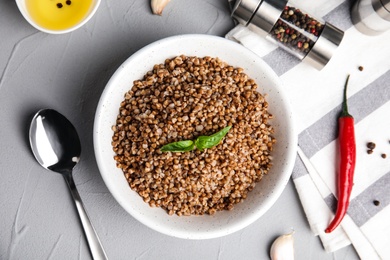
(307, 37)
(371, 17)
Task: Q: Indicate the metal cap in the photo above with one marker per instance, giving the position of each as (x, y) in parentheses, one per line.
(244, 10)
(386, 4)
(268, 13)
(382, 8)
(325, 46)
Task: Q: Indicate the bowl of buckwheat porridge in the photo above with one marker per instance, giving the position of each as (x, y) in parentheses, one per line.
(194, 136)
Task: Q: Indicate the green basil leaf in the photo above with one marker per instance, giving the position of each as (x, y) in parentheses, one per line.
(181, 146)
(204, 142)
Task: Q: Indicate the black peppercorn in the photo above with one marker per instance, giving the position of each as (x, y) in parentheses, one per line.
(371, 145)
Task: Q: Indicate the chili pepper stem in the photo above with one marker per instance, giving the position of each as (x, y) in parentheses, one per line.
(345, 105)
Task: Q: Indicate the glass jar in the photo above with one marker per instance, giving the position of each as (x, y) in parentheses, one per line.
(305, 36)
(371, 17)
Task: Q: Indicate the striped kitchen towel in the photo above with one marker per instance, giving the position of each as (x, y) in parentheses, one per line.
(316, 98)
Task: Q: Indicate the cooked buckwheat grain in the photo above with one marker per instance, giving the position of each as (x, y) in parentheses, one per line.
(181, 99)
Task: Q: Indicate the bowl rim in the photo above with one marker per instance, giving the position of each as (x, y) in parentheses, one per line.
(290, 155)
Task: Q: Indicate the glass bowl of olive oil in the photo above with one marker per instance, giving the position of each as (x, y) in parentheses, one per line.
(57, 16)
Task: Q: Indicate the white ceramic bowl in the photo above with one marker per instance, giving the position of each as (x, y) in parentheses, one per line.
(25, 12)
(266, 191)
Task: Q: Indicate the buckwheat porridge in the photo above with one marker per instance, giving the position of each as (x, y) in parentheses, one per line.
(181, 99)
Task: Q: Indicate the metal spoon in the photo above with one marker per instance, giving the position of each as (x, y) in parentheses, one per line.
(56, 146)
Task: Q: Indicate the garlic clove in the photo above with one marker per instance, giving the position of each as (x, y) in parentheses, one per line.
(158, 6)
(283, 248)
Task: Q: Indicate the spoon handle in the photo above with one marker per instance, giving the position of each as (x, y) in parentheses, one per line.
(94, 243)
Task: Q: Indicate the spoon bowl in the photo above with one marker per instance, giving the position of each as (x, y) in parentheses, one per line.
(56, 146)
(54, 141)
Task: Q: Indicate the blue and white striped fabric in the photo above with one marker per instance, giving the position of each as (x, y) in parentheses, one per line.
(316, 98)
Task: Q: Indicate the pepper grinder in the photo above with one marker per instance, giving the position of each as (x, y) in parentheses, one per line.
(371, 17)
(310, 39)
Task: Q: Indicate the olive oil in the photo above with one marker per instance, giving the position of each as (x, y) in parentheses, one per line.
(58, 14)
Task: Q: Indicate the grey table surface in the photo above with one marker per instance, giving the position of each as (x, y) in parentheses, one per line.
(68, 73)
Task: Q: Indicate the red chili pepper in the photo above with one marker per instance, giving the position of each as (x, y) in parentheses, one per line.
(347, 163)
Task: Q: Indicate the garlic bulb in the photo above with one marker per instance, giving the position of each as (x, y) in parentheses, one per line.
(283, 248)
(158, 6)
